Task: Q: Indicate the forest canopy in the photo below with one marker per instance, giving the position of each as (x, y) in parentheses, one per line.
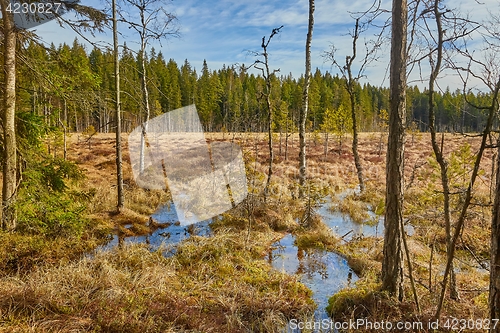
(76, 85)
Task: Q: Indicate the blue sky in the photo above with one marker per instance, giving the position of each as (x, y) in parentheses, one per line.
(222, 32)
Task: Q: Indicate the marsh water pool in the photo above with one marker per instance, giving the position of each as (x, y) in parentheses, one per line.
(325, 273)
(166, 236)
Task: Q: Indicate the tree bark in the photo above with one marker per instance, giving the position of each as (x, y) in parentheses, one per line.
(269, 132)
(8, 121)
(392, 265)
(119, 161)
(494, 297)
(305, 105)
(355, 152)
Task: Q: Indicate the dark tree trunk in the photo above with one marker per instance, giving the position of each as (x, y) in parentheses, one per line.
(392, 265)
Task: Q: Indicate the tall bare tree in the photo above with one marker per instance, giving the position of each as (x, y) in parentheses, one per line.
(119, 161)
(444, 41)
(305, 104)
(263, 66)
(362, 23)
(154, 23)
(494, 292)
(352, 98)
(392, 264)
(438, 152)
(486, 70)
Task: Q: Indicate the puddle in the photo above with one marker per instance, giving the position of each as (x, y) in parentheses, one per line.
(343, 226)
(323, 272)
(171, 235)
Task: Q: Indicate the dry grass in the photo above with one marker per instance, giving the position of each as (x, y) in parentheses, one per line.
(99, 166)
(424, 209)
(316, 235)
(336, 171)
(216, 284)
(220, 284)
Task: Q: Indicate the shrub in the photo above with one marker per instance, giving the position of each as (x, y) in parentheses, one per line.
(45, 203)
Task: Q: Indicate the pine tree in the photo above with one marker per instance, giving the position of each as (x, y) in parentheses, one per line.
(9, 161)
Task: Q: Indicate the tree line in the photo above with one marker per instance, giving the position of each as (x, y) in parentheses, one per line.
(70, 86)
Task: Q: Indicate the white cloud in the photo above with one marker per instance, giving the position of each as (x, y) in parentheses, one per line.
(222, 31)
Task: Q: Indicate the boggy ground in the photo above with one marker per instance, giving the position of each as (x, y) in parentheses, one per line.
(423, 210)
(221, 284)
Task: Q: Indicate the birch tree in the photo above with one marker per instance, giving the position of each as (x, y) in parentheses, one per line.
(154, 23)
(305, 104)
(119, 161)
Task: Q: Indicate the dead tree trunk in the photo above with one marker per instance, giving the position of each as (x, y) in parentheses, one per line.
(362, 24)
(266, 73)
(269, 130)
(443, 164)
(350, 90)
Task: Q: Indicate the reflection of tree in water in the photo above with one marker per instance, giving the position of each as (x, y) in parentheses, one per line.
(275, 251)
(312, 261)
